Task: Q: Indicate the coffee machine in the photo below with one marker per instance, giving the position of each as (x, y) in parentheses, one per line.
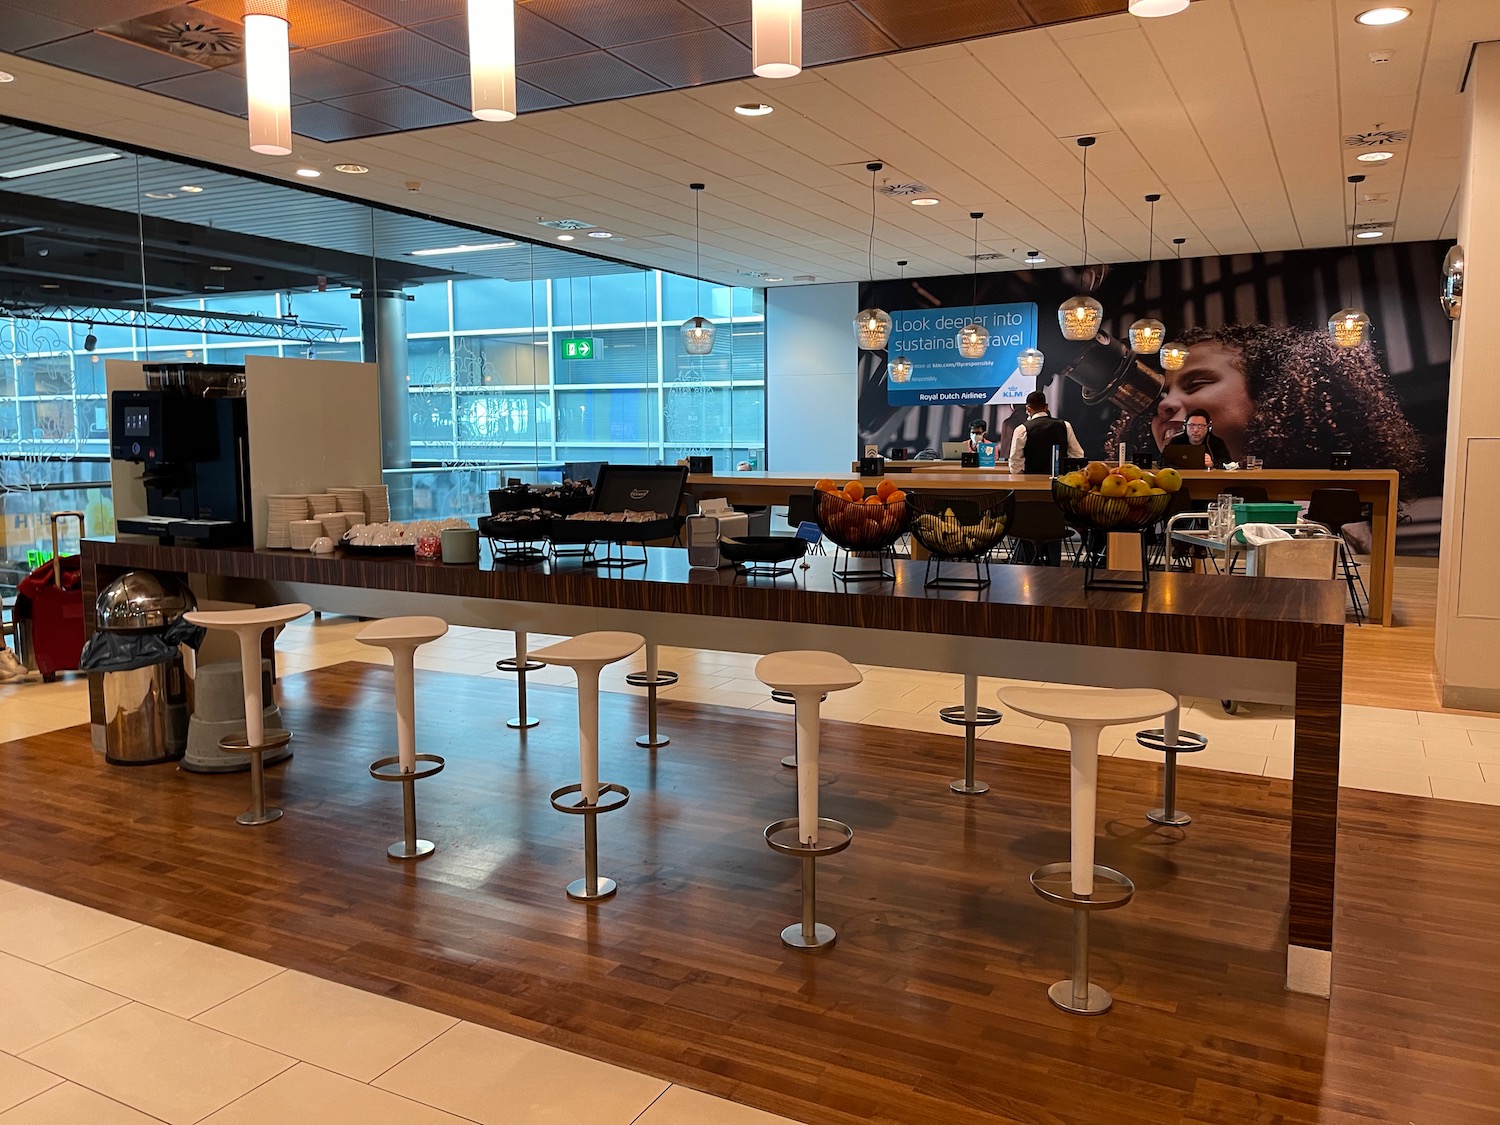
(188, 432)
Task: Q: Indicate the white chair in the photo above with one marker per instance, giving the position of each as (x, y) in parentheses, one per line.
(401, 637)
(808, 676)
(1076, 884)
(587, 654)
(249, 625)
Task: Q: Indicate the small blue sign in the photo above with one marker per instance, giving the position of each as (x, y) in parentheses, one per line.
(942, 377)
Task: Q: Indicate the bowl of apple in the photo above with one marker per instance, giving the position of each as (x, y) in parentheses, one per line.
(1115, 497)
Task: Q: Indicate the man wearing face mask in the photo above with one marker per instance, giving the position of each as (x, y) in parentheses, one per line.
(1198, 431)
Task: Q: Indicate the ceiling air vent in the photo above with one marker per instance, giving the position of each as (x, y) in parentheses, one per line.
(565, 224)
(1378, 139)
(989, 257)
(1373, 226)
(186, 33)
(901, 191)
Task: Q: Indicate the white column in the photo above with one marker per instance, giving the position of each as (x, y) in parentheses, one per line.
(1468, 608)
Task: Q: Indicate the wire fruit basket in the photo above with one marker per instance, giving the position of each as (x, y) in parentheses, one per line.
(865, 528)
(1093, 512)
(959, 529)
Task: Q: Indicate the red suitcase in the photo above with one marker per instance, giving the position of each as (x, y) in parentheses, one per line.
(49, 610)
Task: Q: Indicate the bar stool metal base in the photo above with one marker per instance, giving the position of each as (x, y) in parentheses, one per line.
(258, 813)
(650, 740)
(1054, 882)
(778, 696)
(1188, 742)
(409, 847)
(593, 887)
(510, 664)
(983, 717)
(809, 933)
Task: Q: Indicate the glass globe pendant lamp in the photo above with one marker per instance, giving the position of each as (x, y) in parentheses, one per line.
(1030, 362)
(1347, 328)
(1080, 317)
(973, 338)
(900, 369)
(698, 333)
(1173, 356)
(1147, 335)
(872, 326)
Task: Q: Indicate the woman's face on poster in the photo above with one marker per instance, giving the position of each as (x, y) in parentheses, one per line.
(1212, 379)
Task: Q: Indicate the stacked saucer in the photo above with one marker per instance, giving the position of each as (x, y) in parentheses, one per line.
(322, 502)
(334, 523)
(377, 503)
(303, 532)
(281, 511)
(351, 500)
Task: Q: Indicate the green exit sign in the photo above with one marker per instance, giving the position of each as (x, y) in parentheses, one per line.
(583, 347)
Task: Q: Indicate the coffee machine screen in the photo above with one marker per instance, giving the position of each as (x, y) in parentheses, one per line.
(136, 421)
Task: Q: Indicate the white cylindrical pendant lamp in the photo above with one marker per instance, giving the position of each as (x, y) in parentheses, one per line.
(776, 38)
(268, 77)
(492, 59)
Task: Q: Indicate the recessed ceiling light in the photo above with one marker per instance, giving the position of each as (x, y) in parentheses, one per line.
(6, 76)
(1369, 234)
(59, 165)
(770, 278)
(565, 238)
(804, 277)
(1150, 9)
(1034, 258)
(752, 109)
(600, 234)
(1374, 157)
(466, 248)
(191, 189)
(1383, 16)
(161, 195)
(351, 169)
(221, 269)
(51, 285)
(925, 201)
(309, 173)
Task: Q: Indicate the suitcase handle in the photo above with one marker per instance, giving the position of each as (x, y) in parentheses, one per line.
(56, 557)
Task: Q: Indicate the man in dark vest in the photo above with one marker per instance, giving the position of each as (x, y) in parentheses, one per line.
(1036, 438)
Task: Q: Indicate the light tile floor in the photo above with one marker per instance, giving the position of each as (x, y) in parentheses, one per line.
(111, 1023)
(1428, 754)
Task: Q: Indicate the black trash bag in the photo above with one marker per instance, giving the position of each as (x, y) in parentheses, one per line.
(122, 652)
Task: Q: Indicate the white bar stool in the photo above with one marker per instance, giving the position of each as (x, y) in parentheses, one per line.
(401, 637)
(520, 664)
(808, 676)
(786, 697)
(651, 679)
(1170, 739)
(971, 717)
(586, 655)
(249, 625)
(1085, 712)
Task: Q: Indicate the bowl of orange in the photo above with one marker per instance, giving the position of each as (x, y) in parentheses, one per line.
(861, 517)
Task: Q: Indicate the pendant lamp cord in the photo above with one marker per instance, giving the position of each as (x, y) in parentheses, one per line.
(1151, 235)
(870, 257)
(1083, 213)
(1354, 182)
(698, 249)
(974, 295)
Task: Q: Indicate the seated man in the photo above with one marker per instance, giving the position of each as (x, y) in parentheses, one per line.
(1198, 431)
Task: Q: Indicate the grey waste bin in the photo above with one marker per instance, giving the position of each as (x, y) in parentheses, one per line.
(145, 708)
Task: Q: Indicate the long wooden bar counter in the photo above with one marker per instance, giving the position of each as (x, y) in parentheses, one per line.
(1274, 640)
(1376, 487)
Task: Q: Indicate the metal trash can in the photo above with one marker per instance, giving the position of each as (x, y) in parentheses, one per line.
(145, 707)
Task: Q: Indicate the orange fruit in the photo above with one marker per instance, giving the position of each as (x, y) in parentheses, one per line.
(826, 485)
(873, 500)
(896, 496)
(854, 490)
(885, 488)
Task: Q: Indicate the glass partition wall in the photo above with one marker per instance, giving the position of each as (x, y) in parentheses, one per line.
(518, 357)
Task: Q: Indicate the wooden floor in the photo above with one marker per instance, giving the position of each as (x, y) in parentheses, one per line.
(1394, 667)
(931, 1008)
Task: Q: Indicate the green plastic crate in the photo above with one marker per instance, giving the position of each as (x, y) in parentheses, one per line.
(1270, 511)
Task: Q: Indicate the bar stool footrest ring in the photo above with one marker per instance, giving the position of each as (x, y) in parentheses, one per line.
(843, 835)
(509, 664)
(607, 792)
(983, 716)
(1053, 882)
(378, 769)
(1188, 741)
(779, 696)
(643, 679)
(240, 743)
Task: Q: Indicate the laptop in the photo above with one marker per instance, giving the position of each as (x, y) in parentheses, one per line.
(954, 450)
(1183, 456)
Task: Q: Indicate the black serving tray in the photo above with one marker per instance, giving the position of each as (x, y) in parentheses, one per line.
(762, 548)
(515, 499)
(516, 530)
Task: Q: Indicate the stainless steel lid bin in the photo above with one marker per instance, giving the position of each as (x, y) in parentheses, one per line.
(145, 704)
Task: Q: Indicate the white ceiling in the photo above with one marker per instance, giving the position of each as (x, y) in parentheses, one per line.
(1235, 111)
